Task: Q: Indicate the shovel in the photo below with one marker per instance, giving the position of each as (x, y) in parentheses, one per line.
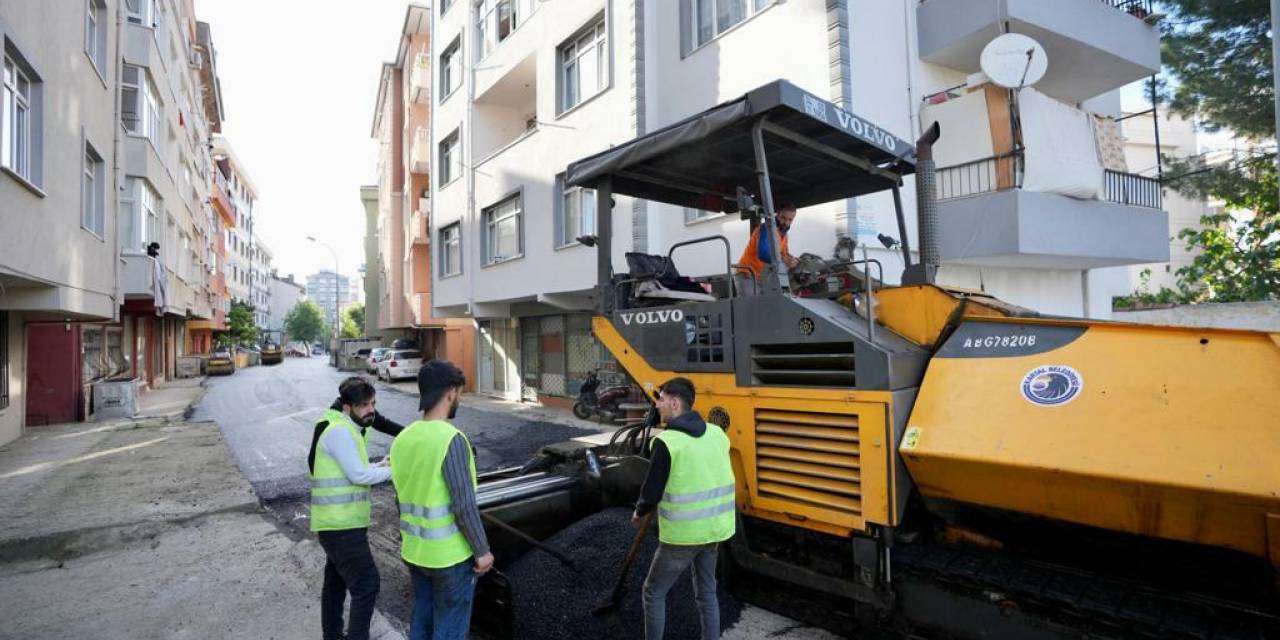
(552, 551)
(611, 603)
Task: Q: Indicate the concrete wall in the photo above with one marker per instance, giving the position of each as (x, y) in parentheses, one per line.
(42, 242)
(12, 417)
(1255, 316)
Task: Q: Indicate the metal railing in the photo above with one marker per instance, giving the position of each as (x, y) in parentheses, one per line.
(1136, 8)
(1132, 189)
(986, 175)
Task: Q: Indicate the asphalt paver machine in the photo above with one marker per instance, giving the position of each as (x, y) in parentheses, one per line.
(917, 458)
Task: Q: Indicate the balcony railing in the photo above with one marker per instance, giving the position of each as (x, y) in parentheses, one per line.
(1136, 190)
(420, 151)
(1004, 172)
(1136, 8)
(987, 175)
(420, 78)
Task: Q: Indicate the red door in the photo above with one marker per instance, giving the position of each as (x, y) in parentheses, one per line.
(53, 373)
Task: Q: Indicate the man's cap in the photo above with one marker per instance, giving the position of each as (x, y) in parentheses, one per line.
(435, 376)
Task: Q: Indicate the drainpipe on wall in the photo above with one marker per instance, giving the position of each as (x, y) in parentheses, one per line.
(117, 298)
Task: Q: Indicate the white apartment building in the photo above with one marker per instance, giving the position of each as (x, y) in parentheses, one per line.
(241, 240)
(260, 258)
(329, 290)
(523, 88)
(285, 293)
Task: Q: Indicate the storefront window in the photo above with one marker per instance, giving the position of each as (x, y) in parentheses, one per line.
(551, 350)
(93, 365)
(126, 350)
(116, 363)
(529, 351)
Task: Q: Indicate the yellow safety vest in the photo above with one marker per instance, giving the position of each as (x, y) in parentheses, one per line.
(429, 534)
(697, 506)
(336, 503)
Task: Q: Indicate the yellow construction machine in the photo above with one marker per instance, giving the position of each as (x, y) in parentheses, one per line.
(918, 458)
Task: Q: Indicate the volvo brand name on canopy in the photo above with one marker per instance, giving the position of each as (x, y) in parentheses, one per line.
(652, 317)
(818, 108)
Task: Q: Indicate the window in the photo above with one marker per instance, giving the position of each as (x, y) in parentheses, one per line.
(450, 166)
(698, 215)
(444, 5)
(584, 66)
(503, 231)
(15, 130)
(95, 33)
(450, 73)
(451, 257)
(140, 220)
(140, 107)
(577, 215)
(497, 19)
(143, 12)
(92, 192)
(4, 359)
(710, 18)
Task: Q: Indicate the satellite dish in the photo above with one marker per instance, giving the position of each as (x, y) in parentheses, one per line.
(1014, 61)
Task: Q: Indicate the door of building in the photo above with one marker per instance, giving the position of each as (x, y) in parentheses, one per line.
(53, 373)
(484, 336)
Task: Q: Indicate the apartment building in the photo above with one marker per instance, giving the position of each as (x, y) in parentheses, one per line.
(403, 267)
(285, 293)
(219, 217)
(329, 290)
(248, 263)
(105, 232)
(1178, 139)
(522, 88)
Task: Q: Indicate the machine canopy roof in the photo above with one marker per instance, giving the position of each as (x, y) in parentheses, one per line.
(816, 152)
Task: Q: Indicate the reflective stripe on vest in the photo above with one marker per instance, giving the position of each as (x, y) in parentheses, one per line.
(430, 536)
(336, 503)
(697, 506)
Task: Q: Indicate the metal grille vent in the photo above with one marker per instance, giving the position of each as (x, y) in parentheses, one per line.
(828, 364)
(809, 457)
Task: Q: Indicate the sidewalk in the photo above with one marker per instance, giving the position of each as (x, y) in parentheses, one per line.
(145, 528)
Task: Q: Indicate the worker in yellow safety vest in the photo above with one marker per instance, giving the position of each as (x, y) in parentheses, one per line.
(691, 484)
(441, 537)
(340, 510)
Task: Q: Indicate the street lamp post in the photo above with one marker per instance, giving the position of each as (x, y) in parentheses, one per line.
(337, 304)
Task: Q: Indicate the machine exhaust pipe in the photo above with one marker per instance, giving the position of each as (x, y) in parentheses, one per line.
(924, 271)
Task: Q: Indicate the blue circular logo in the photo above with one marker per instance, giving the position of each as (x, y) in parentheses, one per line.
(1051, 385)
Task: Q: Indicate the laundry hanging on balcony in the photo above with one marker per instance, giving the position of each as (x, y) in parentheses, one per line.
(1060, 146)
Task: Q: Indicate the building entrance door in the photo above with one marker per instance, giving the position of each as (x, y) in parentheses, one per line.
(53, 373)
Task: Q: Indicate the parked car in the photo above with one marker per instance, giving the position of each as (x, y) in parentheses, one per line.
(317, 350)
(376, 356)
(295, 351)
(221, 362)
(400, 363)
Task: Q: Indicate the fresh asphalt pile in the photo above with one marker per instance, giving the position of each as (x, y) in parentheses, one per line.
(552, 601)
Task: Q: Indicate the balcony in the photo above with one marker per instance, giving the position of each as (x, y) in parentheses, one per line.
(987, 218)
(1116, 41)
(419, 232)
(420, 151)
(420, 79)
(137, 276)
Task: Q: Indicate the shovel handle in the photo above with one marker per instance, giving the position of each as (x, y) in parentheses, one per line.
(631, 555)
(556, 553)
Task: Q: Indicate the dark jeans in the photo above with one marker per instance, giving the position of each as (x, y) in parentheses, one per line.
(669, 563)
(442, 601)
(349, 567)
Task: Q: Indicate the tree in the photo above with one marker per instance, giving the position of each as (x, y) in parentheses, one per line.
(1218, 58)
(353, 321)
(240, 323)
(305, 322)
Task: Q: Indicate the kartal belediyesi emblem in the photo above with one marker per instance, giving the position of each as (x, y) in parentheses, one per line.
(1052, 385)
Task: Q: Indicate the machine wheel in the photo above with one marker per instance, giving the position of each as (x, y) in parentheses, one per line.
(581, 411)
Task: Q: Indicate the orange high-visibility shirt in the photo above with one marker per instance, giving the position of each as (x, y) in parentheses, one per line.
(749, 258)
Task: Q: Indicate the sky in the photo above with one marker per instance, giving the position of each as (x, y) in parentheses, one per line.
(299, 80)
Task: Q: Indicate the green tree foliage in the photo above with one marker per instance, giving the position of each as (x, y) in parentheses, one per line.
(242, 330)
(353, 321)
(305, 322)
(1218, 59)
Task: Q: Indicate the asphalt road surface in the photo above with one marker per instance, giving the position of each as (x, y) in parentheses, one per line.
(267, 415)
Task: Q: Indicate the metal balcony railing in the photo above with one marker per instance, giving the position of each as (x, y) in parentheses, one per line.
(986, 175)
(1004, 172)
(1136, 8)
(1135, 190)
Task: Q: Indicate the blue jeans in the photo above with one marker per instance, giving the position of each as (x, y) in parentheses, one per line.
(668, 563)
(442, 601)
